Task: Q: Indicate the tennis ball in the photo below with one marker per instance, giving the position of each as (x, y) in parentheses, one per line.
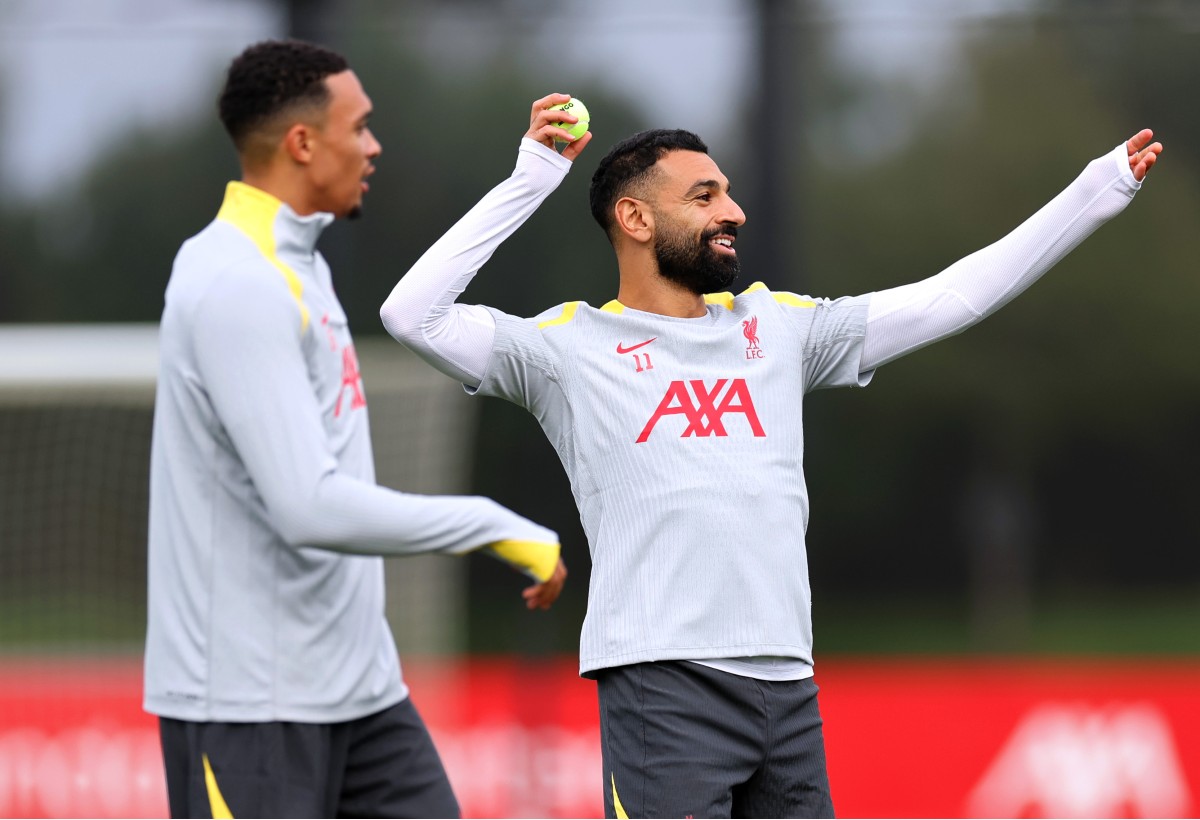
(577, 108)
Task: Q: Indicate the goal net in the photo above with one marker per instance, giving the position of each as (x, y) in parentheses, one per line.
(76, 408)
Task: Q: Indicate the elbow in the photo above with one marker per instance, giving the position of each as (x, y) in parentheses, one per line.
(297, 529)
(409, 322)
(400, 325)
(303, 525)
(401, 312)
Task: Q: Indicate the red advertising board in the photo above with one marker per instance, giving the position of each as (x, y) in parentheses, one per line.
(520, 738)
(1013, 738)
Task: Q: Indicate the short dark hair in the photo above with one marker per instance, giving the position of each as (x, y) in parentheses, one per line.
(271, 77)
(630, 163)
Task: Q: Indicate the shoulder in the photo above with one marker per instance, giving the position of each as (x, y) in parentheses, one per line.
(219, 272)
(562, 330)
(759, 294)
(220, 253)
(571, 314)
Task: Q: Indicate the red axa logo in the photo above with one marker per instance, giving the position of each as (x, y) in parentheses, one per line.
(705, 408)
(352, 379)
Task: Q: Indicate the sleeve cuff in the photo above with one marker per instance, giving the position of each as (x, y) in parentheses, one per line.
(1120, 155)
(532, 146)
(536, 558)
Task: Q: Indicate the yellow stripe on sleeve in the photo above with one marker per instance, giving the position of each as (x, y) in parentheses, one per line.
(568, 313)
(253, 213)
(216, 803)
(792, 300)
(538, 558)
(783, 298)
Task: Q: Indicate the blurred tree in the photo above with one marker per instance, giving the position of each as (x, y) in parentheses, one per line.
(1143, 52)
(972, 444)
(313, 20)
(103, 252)
(1059, 420)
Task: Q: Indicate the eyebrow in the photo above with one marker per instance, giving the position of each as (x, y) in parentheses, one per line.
(707, 184)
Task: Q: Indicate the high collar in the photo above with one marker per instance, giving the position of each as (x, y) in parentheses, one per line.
(266, 218)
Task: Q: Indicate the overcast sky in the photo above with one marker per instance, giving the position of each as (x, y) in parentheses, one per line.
(76, 74)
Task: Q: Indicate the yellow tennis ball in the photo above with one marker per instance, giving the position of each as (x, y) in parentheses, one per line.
(577, 108)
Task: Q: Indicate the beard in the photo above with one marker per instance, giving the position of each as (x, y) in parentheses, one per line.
(694, 265)
(355, 212)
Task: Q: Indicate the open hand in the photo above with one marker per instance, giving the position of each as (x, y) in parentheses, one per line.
(1142, 153)
(541, 129)
(541, 596)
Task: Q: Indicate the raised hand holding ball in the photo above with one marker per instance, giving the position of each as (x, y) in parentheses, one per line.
(576, 107)
(547, 126)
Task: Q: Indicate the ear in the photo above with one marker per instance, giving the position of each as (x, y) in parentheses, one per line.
(298, 142)
(634, 219)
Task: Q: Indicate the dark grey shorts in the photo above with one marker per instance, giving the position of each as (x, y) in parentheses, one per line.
(683, 740)
(382, 765)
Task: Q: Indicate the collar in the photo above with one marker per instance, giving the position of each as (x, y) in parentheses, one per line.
(270, 222)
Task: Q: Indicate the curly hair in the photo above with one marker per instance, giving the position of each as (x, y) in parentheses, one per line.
(630, 165)
(273, 77)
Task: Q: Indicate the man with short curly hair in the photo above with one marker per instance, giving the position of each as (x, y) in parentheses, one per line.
(268, 658)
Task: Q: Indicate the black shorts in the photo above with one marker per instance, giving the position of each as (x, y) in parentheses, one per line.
(382, 765)
(683, 740)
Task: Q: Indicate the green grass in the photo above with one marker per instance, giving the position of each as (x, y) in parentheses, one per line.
(1091, 624)
(70, 621)
(1085, 624)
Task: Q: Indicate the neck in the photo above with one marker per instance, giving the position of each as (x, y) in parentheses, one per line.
(284, 187)
(644, 288)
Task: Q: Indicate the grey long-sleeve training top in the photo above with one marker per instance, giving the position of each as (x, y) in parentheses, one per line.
(266, 593)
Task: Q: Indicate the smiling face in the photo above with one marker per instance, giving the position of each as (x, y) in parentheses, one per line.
(343, 149)
(695, 223)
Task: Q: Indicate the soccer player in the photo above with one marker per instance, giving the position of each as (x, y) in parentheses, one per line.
(676, 411)
(268, 658)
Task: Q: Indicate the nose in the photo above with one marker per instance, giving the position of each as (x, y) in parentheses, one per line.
(734, 212)
(374, 149)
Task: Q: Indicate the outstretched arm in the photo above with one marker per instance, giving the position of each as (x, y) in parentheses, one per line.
(421, 312)
(903, 319)
(247, 339)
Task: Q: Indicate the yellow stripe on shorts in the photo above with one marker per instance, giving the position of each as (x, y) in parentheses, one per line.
(216, 803)
(617, 807)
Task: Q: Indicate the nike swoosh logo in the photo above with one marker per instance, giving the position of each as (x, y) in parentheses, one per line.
(631, 348)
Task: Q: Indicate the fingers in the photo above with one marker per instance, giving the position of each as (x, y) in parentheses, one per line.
(1143, 166)
(575, 148)
(1142, 153)
(541, 596)
(542, 125)
(545, 102)
(1135, 144)
(541, 117)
